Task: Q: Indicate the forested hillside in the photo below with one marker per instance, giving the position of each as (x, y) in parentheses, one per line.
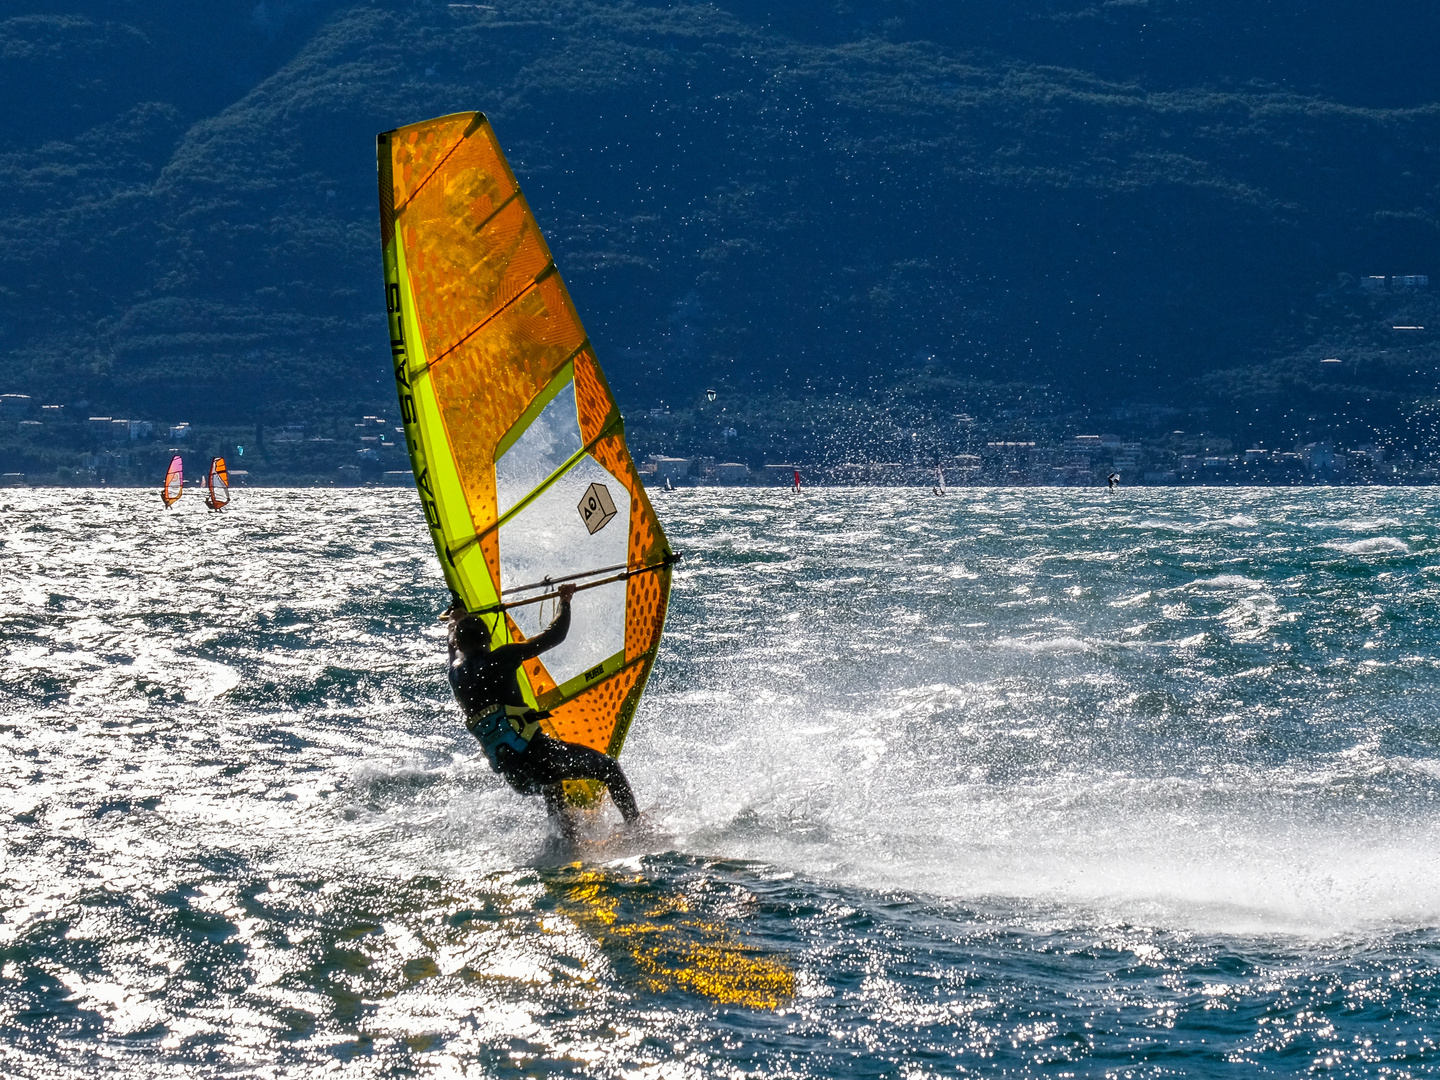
(1052, 207)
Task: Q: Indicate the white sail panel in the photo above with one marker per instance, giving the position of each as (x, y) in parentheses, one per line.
(552, 438)
(549, 538)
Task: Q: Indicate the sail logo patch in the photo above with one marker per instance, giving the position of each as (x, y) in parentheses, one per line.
(597, 508)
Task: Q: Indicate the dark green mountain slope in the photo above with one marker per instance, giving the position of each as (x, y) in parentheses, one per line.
(1105, 202)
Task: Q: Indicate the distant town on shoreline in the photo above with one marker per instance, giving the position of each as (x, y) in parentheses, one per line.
(46, 445)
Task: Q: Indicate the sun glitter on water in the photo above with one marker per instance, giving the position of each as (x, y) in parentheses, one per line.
(1034, 781)
(671, 945)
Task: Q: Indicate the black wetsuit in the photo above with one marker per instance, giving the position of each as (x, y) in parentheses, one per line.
(485, 679)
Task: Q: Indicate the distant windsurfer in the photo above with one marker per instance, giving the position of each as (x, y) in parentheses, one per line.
(488, 690)
(1114, 480)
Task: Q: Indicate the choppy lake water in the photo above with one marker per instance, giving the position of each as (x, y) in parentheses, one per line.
(1016, 782)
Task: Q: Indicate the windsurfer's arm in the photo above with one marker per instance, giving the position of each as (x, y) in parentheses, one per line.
(452, 615)
(528, 650)
(558, 629)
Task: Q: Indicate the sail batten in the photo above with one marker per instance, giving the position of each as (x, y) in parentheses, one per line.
(515, 439)
(467, 335)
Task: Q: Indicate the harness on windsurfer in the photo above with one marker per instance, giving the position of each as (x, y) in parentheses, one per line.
(487, 688)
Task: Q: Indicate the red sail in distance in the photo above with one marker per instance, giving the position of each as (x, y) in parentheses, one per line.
(174, 481)
(219, 484)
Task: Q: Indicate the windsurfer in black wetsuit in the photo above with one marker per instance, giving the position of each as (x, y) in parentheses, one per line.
(487, 687)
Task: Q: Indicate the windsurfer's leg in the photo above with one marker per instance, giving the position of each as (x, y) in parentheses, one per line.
(551, 761)
(614, 779)
(558, 811)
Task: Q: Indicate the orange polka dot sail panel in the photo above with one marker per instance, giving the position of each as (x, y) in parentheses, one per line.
(517, 445)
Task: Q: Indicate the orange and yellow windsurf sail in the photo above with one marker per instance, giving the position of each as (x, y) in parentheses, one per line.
(174, 485)
(517, 444)
(218, 481)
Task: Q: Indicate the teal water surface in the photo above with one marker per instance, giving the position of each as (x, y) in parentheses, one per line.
(1015, 782)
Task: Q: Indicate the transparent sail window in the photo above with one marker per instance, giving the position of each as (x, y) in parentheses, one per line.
(549, 538)
(544, 446)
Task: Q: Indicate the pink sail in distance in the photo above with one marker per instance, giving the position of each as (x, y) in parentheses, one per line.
(174, 481)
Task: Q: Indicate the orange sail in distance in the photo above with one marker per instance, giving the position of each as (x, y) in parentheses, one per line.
(219, 483)
(174, 481)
